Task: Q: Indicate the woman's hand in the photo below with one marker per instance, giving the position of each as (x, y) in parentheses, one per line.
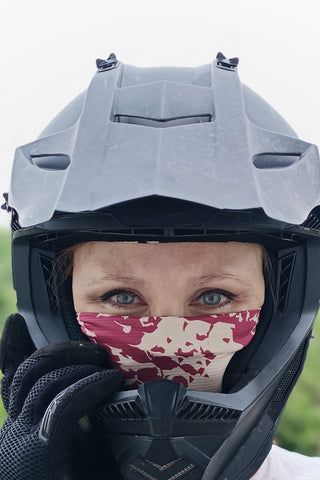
(45, 397)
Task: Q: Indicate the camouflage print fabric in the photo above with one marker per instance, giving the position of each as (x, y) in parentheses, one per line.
(194, 351)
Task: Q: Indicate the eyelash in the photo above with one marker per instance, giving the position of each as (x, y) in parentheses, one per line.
(230, 296)
(105, 298)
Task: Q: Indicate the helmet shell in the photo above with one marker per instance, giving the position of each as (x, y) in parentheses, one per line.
(138, 132)
(178, 154)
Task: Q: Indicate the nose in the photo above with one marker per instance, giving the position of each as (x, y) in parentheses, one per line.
(167, 295)
(162, 306)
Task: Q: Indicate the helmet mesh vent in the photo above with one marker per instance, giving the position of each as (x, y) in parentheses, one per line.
(294, 367)
(286, 269)
(200, 411)
(123, 411)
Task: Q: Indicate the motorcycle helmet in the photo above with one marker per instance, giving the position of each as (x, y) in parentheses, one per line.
(176, 154)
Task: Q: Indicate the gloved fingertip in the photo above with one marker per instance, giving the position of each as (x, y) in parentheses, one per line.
(75, 401)
(16, 343)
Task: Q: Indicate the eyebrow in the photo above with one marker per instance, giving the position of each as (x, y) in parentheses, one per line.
(137, 281)
(216, 276)
(117, 277)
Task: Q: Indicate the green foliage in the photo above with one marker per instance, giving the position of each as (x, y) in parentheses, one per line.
(7, 294)
(299, 429)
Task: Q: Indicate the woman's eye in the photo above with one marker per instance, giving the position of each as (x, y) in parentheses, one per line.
(124, 298)
(215, 298)
(120, 298)
(212, 298)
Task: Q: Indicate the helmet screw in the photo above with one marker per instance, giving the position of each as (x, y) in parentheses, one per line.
(226, 63)
(108, 64)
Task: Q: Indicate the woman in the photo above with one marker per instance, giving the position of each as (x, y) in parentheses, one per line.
(170, 216)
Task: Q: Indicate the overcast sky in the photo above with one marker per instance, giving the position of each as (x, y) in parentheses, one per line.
(48, 51)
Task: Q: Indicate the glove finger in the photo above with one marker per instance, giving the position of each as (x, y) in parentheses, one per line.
(73, 452)
(74, 352)
(45, 389)
(48, 359)
(75, 401)
(15, 346)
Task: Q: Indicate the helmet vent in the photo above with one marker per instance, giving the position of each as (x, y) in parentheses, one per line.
(169, 232)
(267, 161)
(286, 269)
(15, 226)
(295, 366)
(312, 222)
(161, 123)
(51, 162)
(123, 411)
(47, 269)
(200, 411)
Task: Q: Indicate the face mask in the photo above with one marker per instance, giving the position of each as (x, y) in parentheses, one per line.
(194, 351)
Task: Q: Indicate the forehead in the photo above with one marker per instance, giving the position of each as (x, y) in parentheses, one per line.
(195, 256)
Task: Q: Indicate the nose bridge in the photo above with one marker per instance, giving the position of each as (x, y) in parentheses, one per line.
(163, 310)
(167, 305)
(167, 299)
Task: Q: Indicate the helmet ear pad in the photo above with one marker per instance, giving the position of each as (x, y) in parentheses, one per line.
(239, 372)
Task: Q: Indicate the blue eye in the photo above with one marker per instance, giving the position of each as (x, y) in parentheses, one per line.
(212, 298)
(120, 298)
(125, 298)
(216, 298)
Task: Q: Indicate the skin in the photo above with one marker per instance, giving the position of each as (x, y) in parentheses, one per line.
(168, 279)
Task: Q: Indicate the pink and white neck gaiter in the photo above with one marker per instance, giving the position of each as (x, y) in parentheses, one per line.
(194, 351)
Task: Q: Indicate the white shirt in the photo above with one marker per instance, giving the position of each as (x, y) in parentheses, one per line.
(281, 464)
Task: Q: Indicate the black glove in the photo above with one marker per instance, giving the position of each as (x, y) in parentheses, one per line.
(47, 398)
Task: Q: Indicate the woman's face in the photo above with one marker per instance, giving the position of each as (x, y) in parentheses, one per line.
(167, 279)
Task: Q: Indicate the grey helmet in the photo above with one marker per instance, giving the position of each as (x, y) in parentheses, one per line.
(176, 154)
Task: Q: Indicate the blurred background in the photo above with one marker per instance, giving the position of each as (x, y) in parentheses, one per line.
(47, 56)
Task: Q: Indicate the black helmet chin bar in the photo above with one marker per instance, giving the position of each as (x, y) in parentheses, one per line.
(162, 431)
